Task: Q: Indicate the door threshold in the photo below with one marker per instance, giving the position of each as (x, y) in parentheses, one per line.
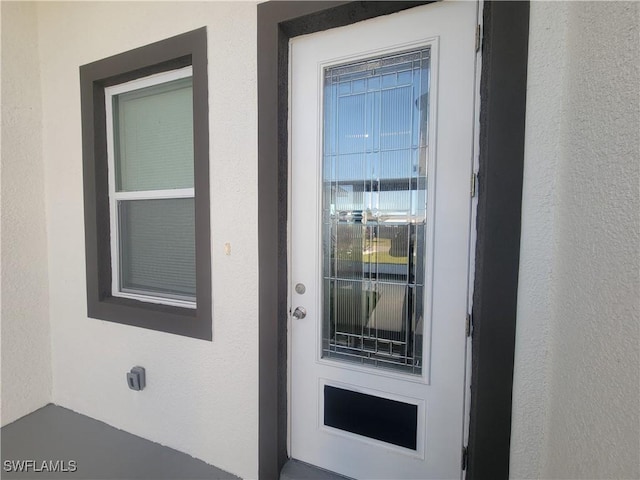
(297, 470)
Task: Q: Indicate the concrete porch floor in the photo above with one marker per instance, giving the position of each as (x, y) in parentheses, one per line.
(99, 450)
(295, 470)
(102, 452)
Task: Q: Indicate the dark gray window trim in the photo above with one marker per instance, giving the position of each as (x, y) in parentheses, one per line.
(186, 49)
(503, 90)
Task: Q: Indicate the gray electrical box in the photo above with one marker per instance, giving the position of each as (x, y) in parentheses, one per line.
(136, 378)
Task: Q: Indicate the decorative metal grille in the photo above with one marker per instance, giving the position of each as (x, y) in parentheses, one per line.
(374, 210)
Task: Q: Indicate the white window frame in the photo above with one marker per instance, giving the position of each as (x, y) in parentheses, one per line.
(116, 197)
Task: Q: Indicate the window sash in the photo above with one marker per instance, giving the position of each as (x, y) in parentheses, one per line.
(123, 263)
(116, 196)
(154, 194)
(148, 81)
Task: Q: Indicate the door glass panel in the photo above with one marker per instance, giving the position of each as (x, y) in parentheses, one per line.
(374, 210)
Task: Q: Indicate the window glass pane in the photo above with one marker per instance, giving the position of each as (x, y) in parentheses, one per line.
(374, 210)
(157, 247)
(153, 130)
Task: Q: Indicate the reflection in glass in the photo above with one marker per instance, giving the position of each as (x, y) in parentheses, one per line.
(374, 210)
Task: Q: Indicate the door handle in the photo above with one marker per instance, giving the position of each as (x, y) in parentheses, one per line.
(299, 313)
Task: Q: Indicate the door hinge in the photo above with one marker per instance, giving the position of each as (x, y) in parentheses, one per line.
(465, 457)
(478, 37)
(474, 181)
(469, 325)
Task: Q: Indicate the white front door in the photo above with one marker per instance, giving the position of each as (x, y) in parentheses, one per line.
(381, 132)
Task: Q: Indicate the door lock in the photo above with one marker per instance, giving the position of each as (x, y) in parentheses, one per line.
(299, 313)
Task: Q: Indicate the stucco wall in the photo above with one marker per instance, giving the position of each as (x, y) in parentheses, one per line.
(594, 413)
(576, 390)
(546, 80)
(26, 343)
(201, 397)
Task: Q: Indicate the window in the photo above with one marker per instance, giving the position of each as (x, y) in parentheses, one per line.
(146, 187)
(150, 161)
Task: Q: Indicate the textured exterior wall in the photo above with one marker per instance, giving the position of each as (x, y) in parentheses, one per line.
(26, 343)
(546, 80)
(576, 391)
(594, 414)
(201, 397)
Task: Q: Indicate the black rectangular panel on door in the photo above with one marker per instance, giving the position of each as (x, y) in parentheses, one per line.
(379, 418)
